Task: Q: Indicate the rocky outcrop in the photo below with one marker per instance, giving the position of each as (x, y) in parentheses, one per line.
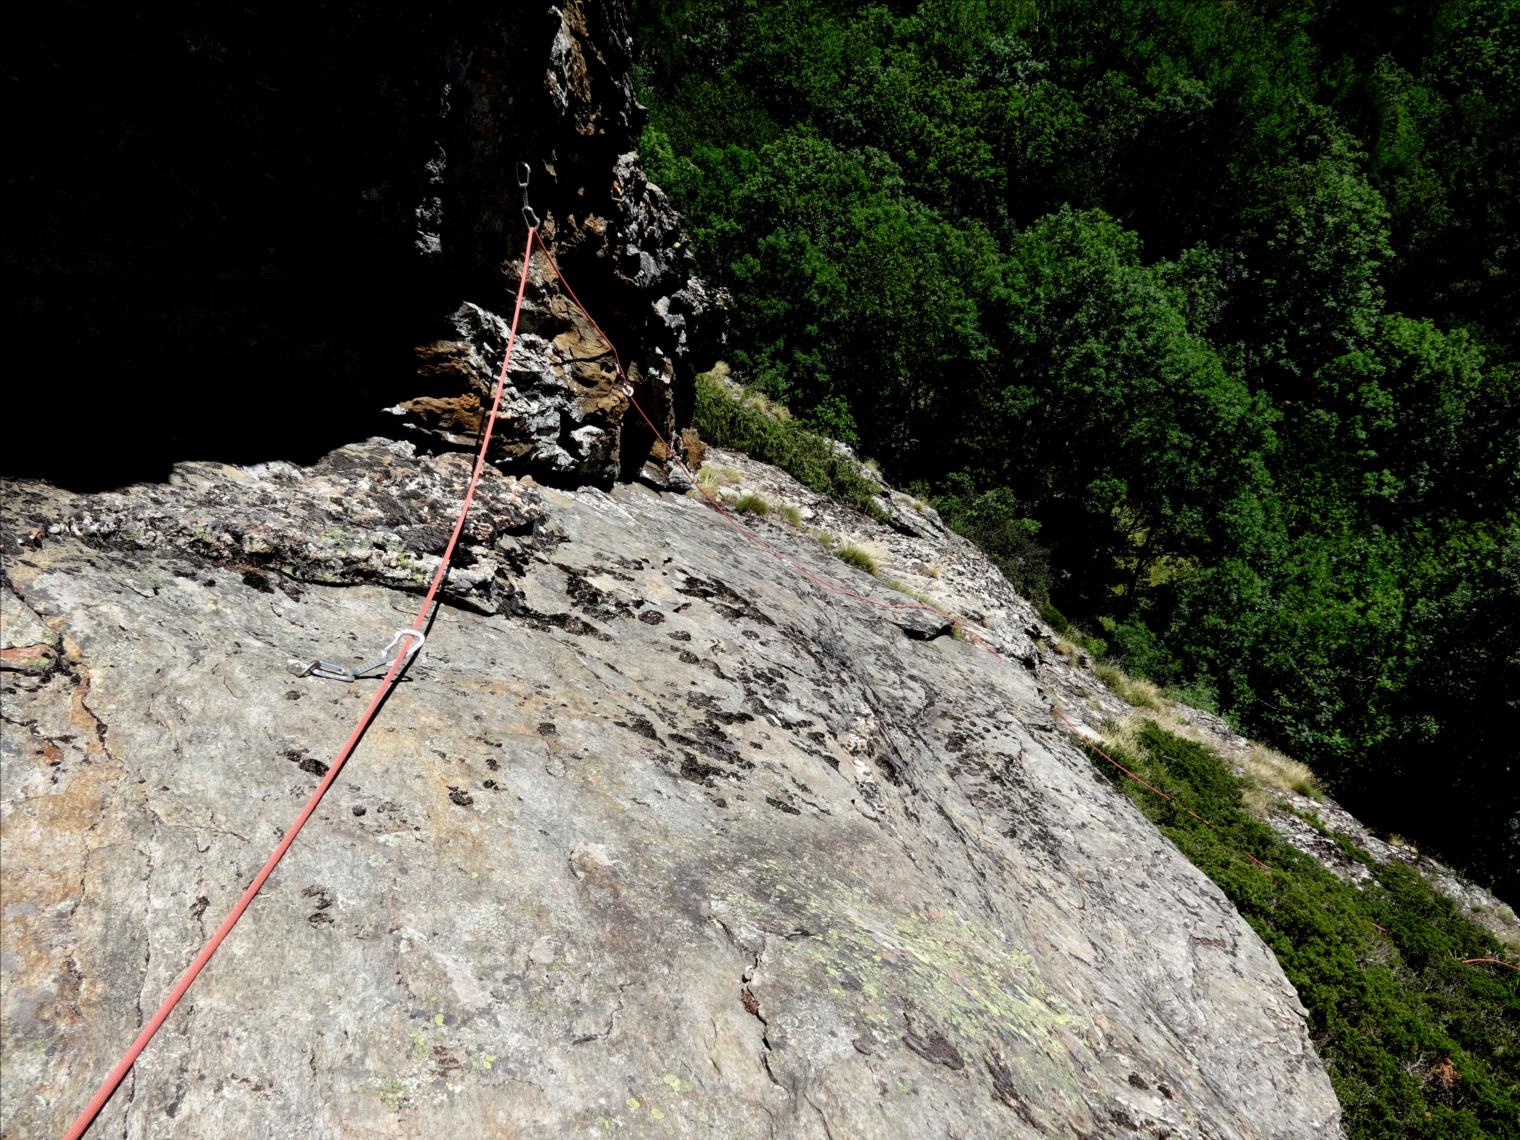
(615, 235)
(656, 837)
(246, 234)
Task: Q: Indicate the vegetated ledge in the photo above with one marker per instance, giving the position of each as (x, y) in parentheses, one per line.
(1284, 794)
(1415, 1007)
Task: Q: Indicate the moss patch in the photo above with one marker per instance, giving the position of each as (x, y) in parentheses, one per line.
(876, 962)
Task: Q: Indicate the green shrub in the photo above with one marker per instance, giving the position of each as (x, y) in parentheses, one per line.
(715, 475)
(1053, 617)
(856, 557)
(804, 455)
(1139, 649)
(1199, 693)
(1065, 628)
(790, 514)
(752, 504)
(1095, 646)
(1417, 1043)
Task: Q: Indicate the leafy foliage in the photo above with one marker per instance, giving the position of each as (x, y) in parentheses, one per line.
(1417, 1043)
(808, 457)
(998, 523)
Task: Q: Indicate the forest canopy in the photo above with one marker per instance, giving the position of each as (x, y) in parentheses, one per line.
(1213, 307)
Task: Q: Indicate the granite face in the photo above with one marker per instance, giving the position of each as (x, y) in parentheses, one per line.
(655, 838)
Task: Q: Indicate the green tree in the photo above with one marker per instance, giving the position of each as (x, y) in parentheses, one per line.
(1214, 303)
(1314, 242)
(1114, 419)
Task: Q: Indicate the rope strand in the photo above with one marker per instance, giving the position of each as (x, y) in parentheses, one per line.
(113, 1080)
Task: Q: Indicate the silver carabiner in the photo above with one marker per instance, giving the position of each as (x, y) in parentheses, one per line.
(524, 172)
(331, 671)
(318, 668)
(405, 656)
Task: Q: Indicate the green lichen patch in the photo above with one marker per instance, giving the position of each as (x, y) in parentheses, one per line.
(876, 962)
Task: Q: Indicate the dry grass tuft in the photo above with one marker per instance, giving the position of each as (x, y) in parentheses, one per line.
(765, 405)
(1134, 691)
(904, 588)
(1268, 773)
(715, 475)
(1123, 734)
(1268, 768)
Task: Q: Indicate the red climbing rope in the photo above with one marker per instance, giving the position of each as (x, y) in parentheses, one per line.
(399, 662)
(118, 1074)
(1493, 961)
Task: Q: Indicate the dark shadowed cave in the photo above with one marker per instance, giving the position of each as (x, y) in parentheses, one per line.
(231, 228)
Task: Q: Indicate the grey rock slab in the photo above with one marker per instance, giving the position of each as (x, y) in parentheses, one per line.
(372, 512)
(678, 844)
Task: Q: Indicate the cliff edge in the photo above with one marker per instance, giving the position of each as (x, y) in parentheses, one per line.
(656, 838)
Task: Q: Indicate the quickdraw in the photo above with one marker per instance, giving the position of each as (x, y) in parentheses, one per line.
(331, 671)
(524, 172)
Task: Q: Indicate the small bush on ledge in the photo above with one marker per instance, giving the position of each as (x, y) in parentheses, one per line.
(804, 455)
(1418, 1043)
(856, 557)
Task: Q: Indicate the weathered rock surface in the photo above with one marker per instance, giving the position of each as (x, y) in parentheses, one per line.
(668, 842)
(314, 216)
(920, 555)
(378, 514)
